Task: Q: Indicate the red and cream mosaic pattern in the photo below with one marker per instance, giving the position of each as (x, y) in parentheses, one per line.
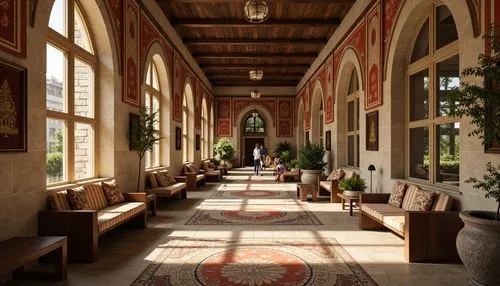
(252, 263)
(253, 207)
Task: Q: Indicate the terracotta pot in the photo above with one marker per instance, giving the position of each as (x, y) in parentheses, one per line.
(478, 245)
(310, 176)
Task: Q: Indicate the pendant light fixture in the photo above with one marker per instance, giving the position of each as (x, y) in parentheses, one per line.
(256, 75)
(256, 11)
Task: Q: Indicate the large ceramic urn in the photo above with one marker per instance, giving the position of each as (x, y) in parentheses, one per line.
(310, 176)
(478, 245)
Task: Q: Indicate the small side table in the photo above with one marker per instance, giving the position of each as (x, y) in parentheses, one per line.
(304, 189)
(348, 199)
(152, 203)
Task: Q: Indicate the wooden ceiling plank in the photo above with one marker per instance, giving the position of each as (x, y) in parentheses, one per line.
(241, 23)
(243, 1)
(254, 55)
(231, 66)
(247, 41)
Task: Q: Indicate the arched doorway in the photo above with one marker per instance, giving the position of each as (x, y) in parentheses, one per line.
(253, 131)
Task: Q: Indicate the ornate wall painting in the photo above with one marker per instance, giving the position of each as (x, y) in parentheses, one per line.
(329, 116)
(13, 25)
(178, 84)
(13, 104)
(149, 36)
(372, 131)
(115, 11)
(197, 104)
(131, 75)
(286, 111)
(373, 90)
(224, 127)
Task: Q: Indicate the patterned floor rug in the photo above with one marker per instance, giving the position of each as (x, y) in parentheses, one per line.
(264, 263)
(266, 208)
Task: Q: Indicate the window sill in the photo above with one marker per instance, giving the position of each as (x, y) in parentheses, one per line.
(66, 186)
(159, 168)
(453, 190)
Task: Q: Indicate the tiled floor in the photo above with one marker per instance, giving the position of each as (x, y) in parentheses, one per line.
(125, 253)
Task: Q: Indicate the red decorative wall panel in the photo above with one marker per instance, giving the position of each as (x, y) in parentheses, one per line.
(391, 9)
(131, 80)
(178, 82)
(115, 10)
(321, 77)
(197, 104)
(329, 116)
(224, 127)
(286, 112)
(307, 108)
(373, 90)
(13, 17)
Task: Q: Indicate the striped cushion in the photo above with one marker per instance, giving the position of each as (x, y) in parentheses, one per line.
(95, 196)
(397, 222)
(59, 201)
(410, 195)
(442, 203)
(109, 217)
(152, 180)
(379, 211)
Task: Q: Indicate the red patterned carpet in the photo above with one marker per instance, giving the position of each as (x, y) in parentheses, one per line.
(267, 208)
(254, 263)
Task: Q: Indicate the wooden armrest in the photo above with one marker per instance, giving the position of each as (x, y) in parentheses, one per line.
(430, 236)
(202, 172)
(180, 179)
(135, 197)
(374, 198)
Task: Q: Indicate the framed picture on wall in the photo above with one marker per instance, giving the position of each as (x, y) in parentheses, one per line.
(307, 137)
(13, 104)
(198, 142)
(178, 138)
(328, 141)
(372, 131)
(133, 132)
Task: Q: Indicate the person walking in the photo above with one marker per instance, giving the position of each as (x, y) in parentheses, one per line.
(263, 153)
(256, 159)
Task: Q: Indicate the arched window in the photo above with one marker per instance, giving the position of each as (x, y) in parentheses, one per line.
(152, 101)
(211, 131)
(353, 121)
(255, 124)
(187, 124)
(321, 127)
(70, 96)
(433, 136)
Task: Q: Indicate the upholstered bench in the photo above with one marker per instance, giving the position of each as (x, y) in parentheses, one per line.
(162, 184)
(332, 183)
(190, 176)
(84, 226)
(424, 219)
(209, 170)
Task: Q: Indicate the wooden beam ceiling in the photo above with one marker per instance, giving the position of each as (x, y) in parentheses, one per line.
(237, 23)
(249, 41)
(239, 66)
(254, 84)
(254, 56)
(243, 1)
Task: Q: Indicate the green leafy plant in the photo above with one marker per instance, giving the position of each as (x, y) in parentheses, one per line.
(311, 157)
(282, 147)
(285, 155)
(354, 183)
(142, 135)
(54, 164)
(224, 150)
(490, 184)
(294, 163)
(480, 102)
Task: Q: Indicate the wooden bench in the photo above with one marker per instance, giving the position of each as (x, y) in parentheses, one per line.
(16, 252)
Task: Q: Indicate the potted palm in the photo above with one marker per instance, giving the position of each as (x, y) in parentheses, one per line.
(142, 134)
(352, 186)
(224, 151)
(478, 243)
(311, 162)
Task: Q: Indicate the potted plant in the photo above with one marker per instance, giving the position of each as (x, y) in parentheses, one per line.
(142, 135)
(282, 147)
(352, 186)
(224, 151)
(478, 243)
(311, 162)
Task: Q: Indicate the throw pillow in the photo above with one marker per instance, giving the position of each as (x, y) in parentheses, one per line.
(112, 192)
(152, 180)
(423, 201)
(336, 175)
(398, 194)
(78, 199)
(164, 179)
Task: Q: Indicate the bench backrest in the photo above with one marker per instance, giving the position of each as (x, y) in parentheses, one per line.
(95, 197)
(441, 202)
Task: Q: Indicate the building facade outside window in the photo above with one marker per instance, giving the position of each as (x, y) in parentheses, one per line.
(70, 96)
(152, 100)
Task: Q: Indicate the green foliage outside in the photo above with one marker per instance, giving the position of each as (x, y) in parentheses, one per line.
(311, 157)
(54, 159)
(354, 183)
(282, 147)
(490, 184)
(224, 150)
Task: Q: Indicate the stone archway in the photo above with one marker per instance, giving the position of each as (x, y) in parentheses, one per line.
(317, 114)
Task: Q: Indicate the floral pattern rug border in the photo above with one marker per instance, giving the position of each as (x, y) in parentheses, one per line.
(326, 261)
